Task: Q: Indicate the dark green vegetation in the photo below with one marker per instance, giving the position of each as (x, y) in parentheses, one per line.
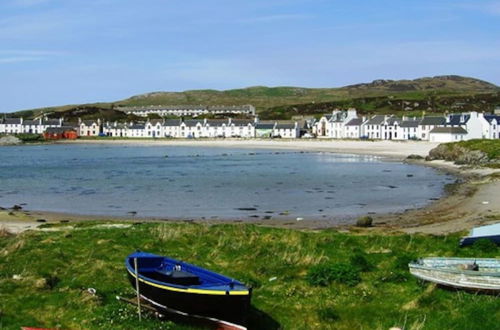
(301, 280)
(472, 152)
(411, 97)
(30, 138)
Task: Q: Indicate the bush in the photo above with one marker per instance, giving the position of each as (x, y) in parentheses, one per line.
(30, 137)
(359, 261)
(324, 274)
(328, 314)
(366, 221)
(403, 260)
(484, 245)
(414, 156)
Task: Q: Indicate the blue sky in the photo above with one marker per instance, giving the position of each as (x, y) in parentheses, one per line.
(55, 52)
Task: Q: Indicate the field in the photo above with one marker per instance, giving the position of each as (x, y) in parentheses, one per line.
(44, 276)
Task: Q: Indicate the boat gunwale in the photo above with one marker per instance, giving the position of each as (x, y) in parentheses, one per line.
(416, 265)
(183, 288)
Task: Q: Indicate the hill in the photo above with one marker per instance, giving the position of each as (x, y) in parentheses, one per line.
(424, 94)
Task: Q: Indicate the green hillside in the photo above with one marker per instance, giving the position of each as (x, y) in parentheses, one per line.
(434, 94)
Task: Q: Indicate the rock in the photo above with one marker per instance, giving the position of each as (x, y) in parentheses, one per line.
(41, 220)
(365, 221)
(17, 207)
(414, 156)
(9, 141)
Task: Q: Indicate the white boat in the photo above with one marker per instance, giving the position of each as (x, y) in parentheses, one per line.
(490, 232)
(478, 274)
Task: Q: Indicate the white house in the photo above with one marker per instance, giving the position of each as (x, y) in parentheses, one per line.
(244, 128)
(286, 130)
(494, 126)
(12, 126)
(332, 125)
(191, 128)
(427, 124)
(408, 130)
(154, 128)
(172, 128)
(474, 123)
(353, 129)
(90, 127)
(216, 128)
(116, 129)
(447, 134)
(372, 128)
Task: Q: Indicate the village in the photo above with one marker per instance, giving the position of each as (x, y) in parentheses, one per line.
(340, 124)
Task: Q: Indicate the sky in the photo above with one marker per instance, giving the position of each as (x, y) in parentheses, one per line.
(55, 52)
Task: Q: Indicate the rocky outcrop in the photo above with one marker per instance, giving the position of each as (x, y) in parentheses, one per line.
(9, 140)
(458, 154)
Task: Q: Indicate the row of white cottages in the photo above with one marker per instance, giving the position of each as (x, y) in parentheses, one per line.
(203, 128)
(173, 128)
(454, 127)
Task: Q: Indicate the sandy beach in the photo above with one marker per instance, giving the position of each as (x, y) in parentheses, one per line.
(476, 200)
(393, 149)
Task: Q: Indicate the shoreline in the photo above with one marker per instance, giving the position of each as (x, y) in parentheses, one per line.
(475, 200)
(390, 149)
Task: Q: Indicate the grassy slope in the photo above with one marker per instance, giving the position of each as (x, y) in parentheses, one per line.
(73, 260)
(436, 92)
(489, 147)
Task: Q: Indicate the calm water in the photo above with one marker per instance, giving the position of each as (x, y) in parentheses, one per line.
(192, 182)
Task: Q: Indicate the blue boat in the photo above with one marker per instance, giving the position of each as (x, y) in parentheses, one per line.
(171, 284)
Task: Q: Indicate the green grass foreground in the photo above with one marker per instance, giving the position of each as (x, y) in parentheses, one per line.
(44, 277)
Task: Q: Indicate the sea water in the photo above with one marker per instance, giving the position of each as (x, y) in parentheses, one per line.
(210, 182)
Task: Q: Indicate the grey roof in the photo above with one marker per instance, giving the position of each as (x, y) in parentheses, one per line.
(392, 120)
(51, 122)
(89, 122)
(410, 123)
(355, 122)
(61, 129)
(13, 121)
(449, 130)
(433, 121)
(137, 126)
(376, 120)
(241, 122)
(191, 122)
(172, 122)
(217, 122)
(30, 122)
(264, 126)
(285, 126)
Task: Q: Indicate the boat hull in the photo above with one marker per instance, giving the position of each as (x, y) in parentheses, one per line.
(226, 307)
(434, 270)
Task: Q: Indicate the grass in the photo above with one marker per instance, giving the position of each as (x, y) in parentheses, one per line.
(44, 277)
(489, 147)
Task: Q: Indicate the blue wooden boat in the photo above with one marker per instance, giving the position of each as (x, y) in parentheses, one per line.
(175, 285)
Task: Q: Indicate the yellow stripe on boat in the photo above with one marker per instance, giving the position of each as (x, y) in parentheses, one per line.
(198, 291)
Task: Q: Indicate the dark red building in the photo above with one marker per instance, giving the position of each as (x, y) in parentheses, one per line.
(59, 133)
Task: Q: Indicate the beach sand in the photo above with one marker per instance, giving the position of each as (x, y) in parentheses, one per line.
(473, 202)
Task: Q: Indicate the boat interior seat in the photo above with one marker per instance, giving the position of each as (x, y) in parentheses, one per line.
(175, 277)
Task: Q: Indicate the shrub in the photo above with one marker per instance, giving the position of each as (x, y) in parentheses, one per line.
(414, 156)
(27, 137)
(366, 221)
(484, 245)
(359, 261)
(403, 260)
(324, 274)
(328, 314)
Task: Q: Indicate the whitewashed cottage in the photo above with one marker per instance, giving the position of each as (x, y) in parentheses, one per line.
(427, 124)
(447, 134)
